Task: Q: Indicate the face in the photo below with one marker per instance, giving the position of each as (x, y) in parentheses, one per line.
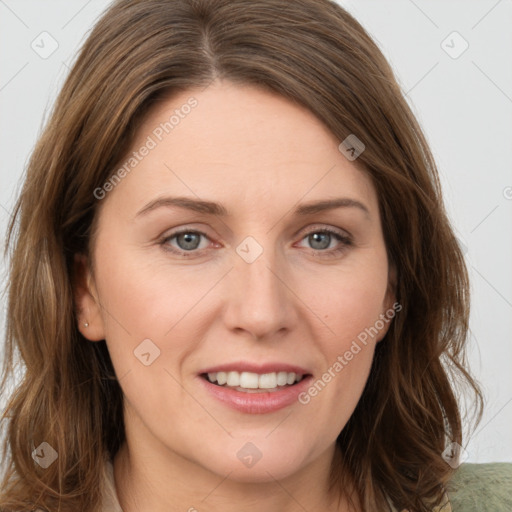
(242, 282)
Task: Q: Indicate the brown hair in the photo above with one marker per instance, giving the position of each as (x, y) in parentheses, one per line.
(317, 55)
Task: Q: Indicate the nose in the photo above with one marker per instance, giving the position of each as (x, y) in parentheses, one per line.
(260, 298)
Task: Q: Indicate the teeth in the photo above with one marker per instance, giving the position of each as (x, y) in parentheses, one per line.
(282, 379)
(248, 380)
(233, 379)
(251, 380)
(268, 381)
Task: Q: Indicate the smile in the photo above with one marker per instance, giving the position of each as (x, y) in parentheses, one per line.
(254, 388)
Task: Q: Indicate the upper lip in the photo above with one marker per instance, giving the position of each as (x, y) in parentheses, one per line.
(246, 366)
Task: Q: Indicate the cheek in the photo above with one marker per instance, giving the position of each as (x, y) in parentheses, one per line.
(146, 295)
(146, 301)
(351, 308)
(356, 311)
(149, 331)
(348, 300)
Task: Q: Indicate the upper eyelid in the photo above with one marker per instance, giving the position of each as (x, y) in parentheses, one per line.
(316, 226)
(321, 227)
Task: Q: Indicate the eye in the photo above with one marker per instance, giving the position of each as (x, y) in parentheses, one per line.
(188, 241)
(321, 239)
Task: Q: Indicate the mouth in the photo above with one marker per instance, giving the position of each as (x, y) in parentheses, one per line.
(251, 382)
(255, 388)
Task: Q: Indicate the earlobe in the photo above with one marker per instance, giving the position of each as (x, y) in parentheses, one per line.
(87, 307)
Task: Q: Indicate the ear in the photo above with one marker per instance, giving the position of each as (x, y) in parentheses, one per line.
(88, 309)
(390, 306)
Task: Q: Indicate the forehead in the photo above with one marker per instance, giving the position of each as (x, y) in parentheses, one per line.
(238, 141)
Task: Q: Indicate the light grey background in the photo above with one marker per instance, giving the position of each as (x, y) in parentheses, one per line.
(463, 102)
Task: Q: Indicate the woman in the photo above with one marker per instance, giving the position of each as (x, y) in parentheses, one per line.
(233, 282)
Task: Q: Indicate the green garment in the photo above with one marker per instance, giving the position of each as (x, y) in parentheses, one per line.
(481, 488)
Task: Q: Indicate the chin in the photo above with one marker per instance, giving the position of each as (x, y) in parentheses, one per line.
(255, 460)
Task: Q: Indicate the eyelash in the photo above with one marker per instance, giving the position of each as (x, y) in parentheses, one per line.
(345, 242)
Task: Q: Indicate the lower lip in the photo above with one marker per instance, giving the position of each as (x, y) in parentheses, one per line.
(257, 403)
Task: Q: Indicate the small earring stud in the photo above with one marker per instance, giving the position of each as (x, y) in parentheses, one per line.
(86, 324)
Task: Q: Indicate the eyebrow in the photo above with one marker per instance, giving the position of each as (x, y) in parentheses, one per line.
(213, 208)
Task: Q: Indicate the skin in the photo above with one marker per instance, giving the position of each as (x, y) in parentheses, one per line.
(259, 156)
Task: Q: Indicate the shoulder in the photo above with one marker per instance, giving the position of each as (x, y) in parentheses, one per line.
(476, 487)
